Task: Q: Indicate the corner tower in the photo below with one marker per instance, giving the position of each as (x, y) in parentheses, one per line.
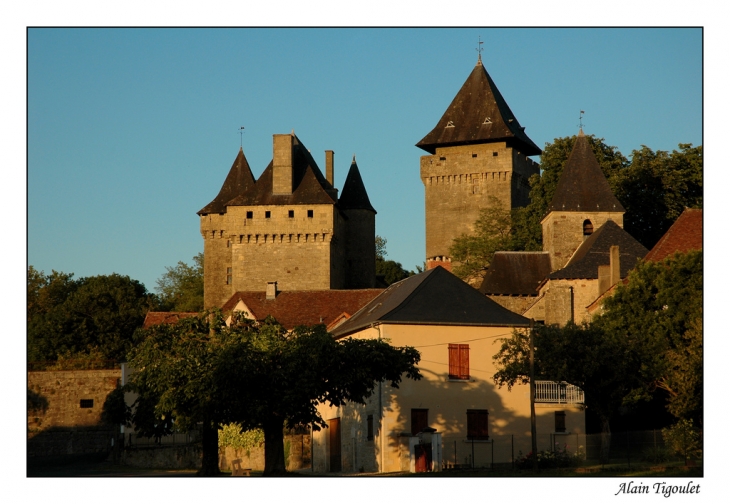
(478, 151)
(583, 202)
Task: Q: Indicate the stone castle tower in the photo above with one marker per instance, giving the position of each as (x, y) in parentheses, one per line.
(478, 150)
(287, 230)
(583, 202)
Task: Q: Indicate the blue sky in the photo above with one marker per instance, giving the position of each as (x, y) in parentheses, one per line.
(132, 131)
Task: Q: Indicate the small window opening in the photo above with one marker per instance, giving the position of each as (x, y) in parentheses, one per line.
(249, 215)
(587, 228)
(473, 155)
(267, 214)
(560, 421)
(477, 425)
(310, 213)
(442, 158)
(87, 403)
(229, 276)
(228, 243)
(291, 214)
(495, 153)
(450, 124)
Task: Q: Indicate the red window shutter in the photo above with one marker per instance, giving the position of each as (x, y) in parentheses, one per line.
(464, 361)
(453, 361)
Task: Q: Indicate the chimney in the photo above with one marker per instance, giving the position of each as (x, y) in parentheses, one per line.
(329, 157)
(270, 290)
(615, 265)
(282, 176)
(604, 278)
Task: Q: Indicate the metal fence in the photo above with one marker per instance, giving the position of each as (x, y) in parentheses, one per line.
(178, 438)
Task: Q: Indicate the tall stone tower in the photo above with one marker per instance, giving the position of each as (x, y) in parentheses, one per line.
(583, 202)
(478, 150)
(287, 228)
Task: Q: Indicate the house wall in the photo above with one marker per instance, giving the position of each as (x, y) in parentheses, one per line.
(515, 304)
(568, 300)
(447, 402)
(460, 180)
(57, 424)
(562, 233)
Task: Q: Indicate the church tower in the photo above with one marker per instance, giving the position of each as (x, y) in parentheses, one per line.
(583, 202)
(478, 150)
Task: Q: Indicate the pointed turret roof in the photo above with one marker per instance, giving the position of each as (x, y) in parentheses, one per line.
(354, 195)
(582, 186)
(478, 114)
(239, 180)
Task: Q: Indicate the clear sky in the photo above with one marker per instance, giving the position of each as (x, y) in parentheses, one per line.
(132, 131)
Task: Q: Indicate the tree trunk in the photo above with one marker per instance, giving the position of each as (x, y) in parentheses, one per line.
(210, 450)
(274, 463)
(605, 440)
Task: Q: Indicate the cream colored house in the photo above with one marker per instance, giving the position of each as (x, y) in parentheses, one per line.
(455, 415)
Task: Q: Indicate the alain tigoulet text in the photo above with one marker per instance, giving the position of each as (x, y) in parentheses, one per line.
(662, 488)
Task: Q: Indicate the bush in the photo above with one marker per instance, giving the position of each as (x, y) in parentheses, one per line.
(232, 435)
(656, 455)
(548, 459)
(683, 439)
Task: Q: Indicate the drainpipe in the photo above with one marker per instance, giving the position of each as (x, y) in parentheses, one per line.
(381, 468)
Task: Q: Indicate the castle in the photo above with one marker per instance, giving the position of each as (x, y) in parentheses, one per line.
(288, 230)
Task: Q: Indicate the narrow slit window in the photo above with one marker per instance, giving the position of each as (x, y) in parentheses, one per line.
(310, 213)
(229, 276)
(267, 214)
(291, 214)
(87, 403)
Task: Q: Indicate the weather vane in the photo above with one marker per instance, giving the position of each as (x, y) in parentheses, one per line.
(479, 48)
(241, 132)
(581, 118)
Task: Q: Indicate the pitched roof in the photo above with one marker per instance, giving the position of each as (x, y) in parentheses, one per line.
(478, 114)
(516, 273)
(582, 185)
(239, 180)
(157, 318)
(684, 235)
(435, 296)
(354, 195)
(595, 251)
(294, 308)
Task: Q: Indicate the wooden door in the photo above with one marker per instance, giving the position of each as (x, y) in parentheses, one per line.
(423, 457)
(335, 445)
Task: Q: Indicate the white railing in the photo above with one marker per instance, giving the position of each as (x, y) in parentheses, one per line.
(560, 393)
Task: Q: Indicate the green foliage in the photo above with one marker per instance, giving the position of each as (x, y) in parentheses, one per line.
(658, 314)
(93, 318)
(181, 287)
(551, 459)
(232, 435)
(656, 455)
(492, 232)
(683, 439)
(389, 271)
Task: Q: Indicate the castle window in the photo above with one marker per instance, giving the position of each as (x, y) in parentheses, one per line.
(267, 214)
(495, 153)
(587, 228)
(458, 362)
(310, 213)
(228, 243)
(473, 155)
(477, 425)
(229, 276)
(249, 215)
(291, 214)
(86, 403)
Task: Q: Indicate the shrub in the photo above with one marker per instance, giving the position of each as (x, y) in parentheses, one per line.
(548, 459)
(683, 439)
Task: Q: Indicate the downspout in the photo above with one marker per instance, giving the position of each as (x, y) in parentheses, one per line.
(380, 414)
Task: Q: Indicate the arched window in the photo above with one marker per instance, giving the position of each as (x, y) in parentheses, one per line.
(587, 228)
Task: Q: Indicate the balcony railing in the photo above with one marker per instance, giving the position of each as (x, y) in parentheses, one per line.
(558, 393)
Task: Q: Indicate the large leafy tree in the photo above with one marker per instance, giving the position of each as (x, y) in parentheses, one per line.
(94, 316)
(492, 232)
(181, 287)
(388, 270)
(258, 375)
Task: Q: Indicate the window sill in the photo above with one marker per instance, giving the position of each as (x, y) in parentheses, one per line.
(460, 380)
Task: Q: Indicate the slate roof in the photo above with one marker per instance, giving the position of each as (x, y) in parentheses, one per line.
(479, 114)
(434, 297)
(293, 308)
(595, 251)
(516, 273)
(239, 180)
(157, 318)
(684, 235)
(308, 183)
(354, 195)
(582, 185)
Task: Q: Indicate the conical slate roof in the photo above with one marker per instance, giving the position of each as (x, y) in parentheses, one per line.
(478, 114)
(434, 297)
(354, 195)
(239, 180)
(582, 186)
(595, 251)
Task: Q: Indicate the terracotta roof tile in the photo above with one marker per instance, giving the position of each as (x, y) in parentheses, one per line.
(157, 318)
(684, 235)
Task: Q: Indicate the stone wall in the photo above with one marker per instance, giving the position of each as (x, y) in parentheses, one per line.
(189, 456)
(562, 232)
(297, 451)
(64, 412)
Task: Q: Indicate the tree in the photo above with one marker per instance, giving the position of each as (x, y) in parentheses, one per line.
(390, 271)
(658, 313)
(492, 232)
(258, 375)
(93, 316)
(181, 287)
